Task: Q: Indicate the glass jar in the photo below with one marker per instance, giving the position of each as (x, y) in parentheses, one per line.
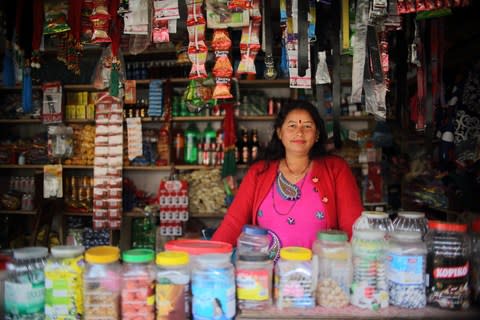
(137, 283)
(447, 265)
(101, 283)
(411, 221)
(254, 274)
(406, 266)
(213, 287)
(334, 256)
(64, 283)
(253, 241)
(294, 279)
(475, 262)
(369, 284)
(25, 284)
(373, 220)
(172, 285)
(5, 258)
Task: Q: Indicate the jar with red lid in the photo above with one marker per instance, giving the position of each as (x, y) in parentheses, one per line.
(475, 262)
(448, 265)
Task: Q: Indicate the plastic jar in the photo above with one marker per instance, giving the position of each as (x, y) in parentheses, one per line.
(5, 258)
(254, 275)
(253, 241)
(406, 267)
(196, 247)
(447, 265)
(213, 287)
(334, 255)
(373, 220)
(369, 285)
(64, 283)
(25, 284)
(101, 283)
(137, 285)
(475, 262)
(172, 285)
(294, 279)
(411, 221)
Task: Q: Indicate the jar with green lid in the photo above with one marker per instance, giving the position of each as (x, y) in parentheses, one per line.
(64, 283)
(295, 278)
(138, 282)
(25, 284)
(172, 285)
(334, 255)
(101, 283)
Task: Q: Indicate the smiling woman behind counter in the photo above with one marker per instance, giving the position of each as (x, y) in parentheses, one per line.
(296, 189)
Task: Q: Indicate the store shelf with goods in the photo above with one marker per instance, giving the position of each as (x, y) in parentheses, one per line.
(22, 166)
(77, 167)
(77, 214)
(181, 167)
(207, 216)
(18, 88)
(20, 121)
(19, 212)
(197, 118)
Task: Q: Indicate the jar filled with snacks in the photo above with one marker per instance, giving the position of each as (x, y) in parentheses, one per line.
(253, 241)
(373, 220)
(101, 283)
(294, 279)
(25, 284)
(334, 255)
(448, 265)
(406, 262)
(254, 274)
(213, 287)
(64, 282)
(411, 221)
(138, 279)
(172, 291)
(369, 284)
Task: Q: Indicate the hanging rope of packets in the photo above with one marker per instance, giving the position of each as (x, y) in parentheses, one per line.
(222, 69)
(250, 43)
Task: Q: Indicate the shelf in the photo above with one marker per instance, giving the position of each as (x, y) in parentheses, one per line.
(134, 214)
(168, 168)
(18, 88)
(20, 212)
(207, 216)
(24, 166)
(82, 87)
(20, 121)
(77, 214)
(256, 118)
(77, 167)
(198, 118)
(80, 121)
(280, 83)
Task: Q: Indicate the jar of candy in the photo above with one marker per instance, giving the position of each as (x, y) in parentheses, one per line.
(475, 262)
(373, 220)
(411, 221)
(294, 278)
(406, 262)
(369, 285)
(196, 248)
(101, 283)
(213, 287)
(254, 274)
(447, 265)
(172, 285)
(5, 257)
(64, 283)
(25, 284)
(138, 280)
(253, 241)
(334, 256)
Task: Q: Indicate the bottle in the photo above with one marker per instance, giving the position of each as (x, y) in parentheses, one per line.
(178, 146)
(245, 147)
(238, 148)
(163, 147)
(255, 146)
(191, 140)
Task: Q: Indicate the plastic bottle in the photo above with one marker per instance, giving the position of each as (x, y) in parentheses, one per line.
(411, 221)
(178, 145)
(191, 140)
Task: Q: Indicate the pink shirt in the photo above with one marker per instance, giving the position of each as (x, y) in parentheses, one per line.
(299, 225)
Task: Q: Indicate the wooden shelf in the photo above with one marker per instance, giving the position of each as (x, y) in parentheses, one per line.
(18, 88)
(80, 121)
(20, 121)
(77, 167)
(19, 212)
(82, 87)
(24, 166)
(77, 214)
(256, 118)
(168, 168)
(198, 118)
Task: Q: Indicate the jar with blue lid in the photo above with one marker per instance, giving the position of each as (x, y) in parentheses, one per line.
(253, 241)
(213, 287)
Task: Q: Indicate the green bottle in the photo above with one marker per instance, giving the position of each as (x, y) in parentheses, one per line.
(143, 231)
(209, 135)
(191, 139)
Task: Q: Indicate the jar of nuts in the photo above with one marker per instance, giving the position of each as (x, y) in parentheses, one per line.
(334, 255)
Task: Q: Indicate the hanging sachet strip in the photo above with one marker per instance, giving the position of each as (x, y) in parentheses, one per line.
(197, 50)
(359, 50)
(222, 69)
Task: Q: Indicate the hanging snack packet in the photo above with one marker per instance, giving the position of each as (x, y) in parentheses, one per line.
(221, 40)
(222, 89)
(55, 17)
(195, 15)
(249, 47)
(198, 57)
(86, 30)
(101, 24)
(100, 7)
(240, 4)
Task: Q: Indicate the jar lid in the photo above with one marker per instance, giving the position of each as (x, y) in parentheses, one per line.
(447, 226)
(332, 235)
(476, 225)
(296, 253)
(67, 251)
(198, 247)
(406, 235)
(253, 257)
(375, 214)
(30, 253)
(411, 214)
(102, 254)
(138, 256)
(212, 259)
(254, 230)
(172, 258)
(369, 234)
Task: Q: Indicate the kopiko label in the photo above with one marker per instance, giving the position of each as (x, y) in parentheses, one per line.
(451, 272)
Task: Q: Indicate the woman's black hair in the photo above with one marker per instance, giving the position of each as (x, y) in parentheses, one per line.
(275, 149)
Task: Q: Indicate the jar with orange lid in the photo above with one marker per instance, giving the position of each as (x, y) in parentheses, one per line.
(172, 292)
(295, 278)
(101, 283)
(447, 265)
(137, 285)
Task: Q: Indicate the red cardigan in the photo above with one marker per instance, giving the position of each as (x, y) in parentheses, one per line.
(331, 175)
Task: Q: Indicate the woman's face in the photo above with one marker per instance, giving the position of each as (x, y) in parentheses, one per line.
(298, 132)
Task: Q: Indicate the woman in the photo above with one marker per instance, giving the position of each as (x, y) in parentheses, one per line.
(296, 189)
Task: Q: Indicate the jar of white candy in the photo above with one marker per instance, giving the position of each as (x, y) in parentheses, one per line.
(406, 267)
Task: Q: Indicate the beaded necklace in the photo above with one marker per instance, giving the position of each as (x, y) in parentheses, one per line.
(287, 191)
